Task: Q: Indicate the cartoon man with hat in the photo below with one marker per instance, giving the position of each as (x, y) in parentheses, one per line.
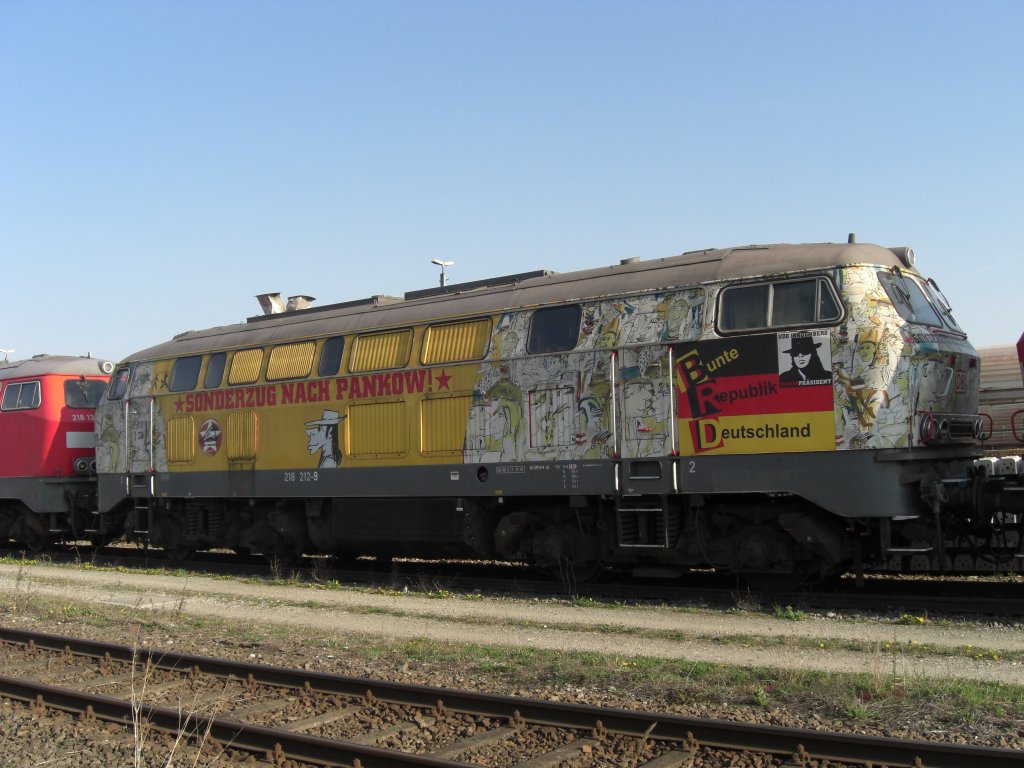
(806, 365)
(323, 437)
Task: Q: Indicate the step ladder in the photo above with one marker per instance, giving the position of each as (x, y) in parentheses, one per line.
(140, 516)
(646, 523)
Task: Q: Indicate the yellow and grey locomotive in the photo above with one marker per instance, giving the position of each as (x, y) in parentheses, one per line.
(780, 411)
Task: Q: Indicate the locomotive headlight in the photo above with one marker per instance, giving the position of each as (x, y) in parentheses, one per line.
(84, 465)
(905, 254)
(107, 367)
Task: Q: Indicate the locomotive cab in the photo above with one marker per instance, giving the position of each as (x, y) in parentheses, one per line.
(47, 464)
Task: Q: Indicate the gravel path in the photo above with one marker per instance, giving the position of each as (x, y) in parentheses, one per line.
(664, 632)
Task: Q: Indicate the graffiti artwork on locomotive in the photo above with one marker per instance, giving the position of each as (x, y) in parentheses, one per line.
(779, 411)
(47, 471)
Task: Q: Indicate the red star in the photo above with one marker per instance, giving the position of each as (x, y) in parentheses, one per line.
(179, 402)
(442, 380)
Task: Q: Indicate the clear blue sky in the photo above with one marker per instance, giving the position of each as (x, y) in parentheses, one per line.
(162, 162)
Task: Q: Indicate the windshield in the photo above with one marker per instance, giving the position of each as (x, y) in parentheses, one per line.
(83, 393)
(939, 300)
(908, 298)
(119, 383)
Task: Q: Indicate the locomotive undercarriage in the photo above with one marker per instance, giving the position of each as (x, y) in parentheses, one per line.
(965, 524)
(973, 524)
(969, 525)
(580, 535)
(778, 540)
(73, 516)
(19, 524)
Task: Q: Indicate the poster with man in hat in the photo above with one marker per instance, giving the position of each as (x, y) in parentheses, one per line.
(805, 366)
(323, 437)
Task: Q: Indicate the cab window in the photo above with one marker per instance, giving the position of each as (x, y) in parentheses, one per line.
(214, 370)
(744, 308)
(330, 356)
(185, 373)
(119, 383)
(778, 304)
(554, 329)
(21, 395)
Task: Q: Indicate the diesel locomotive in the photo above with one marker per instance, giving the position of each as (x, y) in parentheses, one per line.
(47, 471)
(784, 412)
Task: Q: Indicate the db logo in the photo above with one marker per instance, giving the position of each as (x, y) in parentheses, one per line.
(960, 381)
(209, 437)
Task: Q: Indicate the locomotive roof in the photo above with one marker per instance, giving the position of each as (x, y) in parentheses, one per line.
(526, 290)
(41, 365)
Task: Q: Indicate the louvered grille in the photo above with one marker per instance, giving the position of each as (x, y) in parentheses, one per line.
(181, 440)
(380, 351)
(242, 436)
(443, 424)
(292, 361)
(456, 342)
(245, 366)
(376, 429)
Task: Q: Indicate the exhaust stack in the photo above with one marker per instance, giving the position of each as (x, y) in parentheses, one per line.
(271, 303)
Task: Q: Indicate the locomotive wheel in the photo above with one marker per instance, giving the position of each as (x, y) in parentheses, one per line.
(565, 554)
(36, 541)
(30, 531)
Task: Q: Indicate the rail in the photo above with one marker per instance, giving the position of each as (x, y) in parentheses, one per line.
(687, 734)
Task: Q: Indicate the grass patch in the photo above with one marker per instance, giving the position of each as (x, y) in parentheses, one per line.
(890, 649)
(788, 613)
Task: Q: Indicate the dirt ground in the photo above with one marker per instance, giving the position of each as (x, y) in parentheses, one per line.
(649, 631)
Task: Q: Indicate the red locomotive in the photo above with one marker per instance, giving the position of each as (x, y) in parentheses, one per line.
(47, 454)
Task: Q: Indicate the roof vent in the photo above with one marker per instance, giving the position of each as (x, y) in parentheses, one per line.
(299, 302)
(270, 303)
(852, 238)
(630, 260)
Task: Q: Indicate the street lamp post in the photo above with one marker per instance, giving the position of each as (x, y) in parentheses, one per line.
(442, 265)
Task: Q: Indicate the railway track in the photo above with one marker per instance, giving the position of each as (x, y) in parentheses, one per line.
(882, 593)
(333, 720)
